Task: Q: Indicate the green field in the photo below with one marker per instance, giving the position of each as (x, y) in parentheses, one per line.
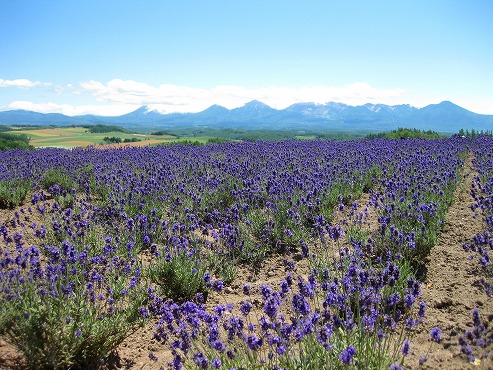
(71, 137)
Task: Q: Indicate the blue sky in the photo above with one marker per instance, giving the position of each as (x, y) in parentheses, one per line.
(110, 57)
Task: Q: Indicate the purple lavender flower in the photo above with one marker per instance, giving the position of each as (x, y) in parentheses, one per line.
(253, 342)
(300, 305)
(200, 360)
(406, 346)
(245, 308)
(436, 334)
(421, 310)
(265, 290)
(347, 355)
(216, 363)
(271, 304)
(476, 318)
(144, 312)
(218, 285)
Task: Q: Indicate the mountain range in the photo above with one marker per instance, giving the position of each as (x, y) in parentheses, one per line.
(443, 117)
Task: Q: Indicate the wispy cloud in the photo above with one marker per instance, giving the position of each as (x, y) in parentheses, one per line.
(22, 83)
(173, 98)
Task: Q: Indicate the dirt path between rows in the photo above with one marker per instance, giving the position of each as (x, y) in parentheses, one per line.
(451, 288)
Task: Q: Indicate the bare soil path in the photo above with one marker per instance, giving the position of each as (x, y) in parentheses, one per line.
(451, 288)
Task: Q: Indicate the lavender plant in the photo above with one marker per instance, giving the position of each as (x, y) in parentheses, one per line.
(474, 343)
(70, 309)
(13, 192)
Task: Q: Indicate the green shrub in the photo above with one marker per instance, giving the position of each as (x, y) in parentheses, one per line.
(179, 276)
(57, 176)
(13, 192)
(69, 313)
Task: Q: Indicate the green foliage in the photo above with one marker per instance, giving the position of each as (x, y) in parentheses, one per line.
(101, 129)
(216, 140)
(57, 176)
(112, 140)
(221, 265)
(162, 133)
(473, 133)
(17, 137)
(254, 250)
(13, 192)
(178, 275)
(406, 133)
(14, 141)
(65, 323)
(117, 140)
(183, 142)
(132, 140)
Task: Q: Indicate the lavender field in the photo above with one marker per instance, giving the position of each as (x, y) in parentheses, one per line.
(286, 255)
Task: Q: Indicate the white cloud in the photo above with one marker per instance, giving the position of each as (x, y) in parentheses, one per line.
(172, 98)
(22, 83)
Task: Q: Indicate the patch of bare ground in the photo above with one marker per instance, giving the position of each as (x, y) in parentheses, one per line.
(451, 288)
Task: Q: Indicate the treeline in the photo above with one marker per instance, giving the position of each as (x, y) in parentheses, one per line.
(406, 133)
(103, 129)
(473, 133)
(214, 140)
(118, 140)
(14, 141)
(162, 133)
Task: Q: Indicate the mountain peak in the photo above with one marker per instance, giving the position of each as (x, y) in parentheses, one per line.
(143, 109)
(447, 106)
(257, 105)
(215, 107)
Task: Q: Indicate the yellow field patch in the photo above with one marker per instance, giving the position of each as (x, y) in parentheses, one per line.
(47, 132)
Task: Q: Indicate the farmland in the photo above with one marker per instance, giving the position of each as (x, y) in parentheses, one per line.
(71, 137)
(295, 254)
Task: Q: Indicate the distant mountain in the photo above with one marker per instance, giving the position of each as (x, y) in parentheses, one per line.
(34, 118)
(442, 117)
